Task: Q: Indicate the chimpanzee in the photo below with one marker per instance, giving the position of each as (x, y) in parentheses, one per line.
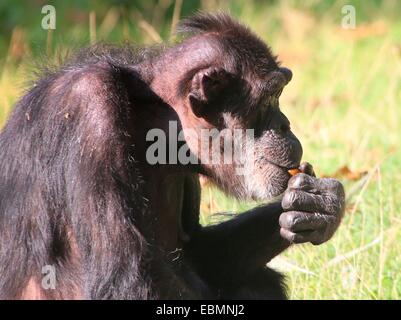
(80, 198)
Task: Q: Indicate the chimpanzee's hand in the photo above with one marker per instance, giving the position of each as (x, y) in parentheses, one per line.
(313, 209)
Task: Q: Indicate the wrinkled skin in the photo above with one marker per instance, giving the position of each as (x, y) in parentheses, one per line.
(313, 208)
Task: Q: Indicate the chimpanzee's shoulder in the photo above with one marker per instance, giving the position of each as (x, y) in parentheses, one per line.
(117, 55)
(99, 56)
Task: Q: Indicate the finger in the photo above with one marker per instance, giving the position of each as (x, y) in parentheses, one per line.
(298, 200)
(310, 183)
(301, 237)
(303, 221)
(307, 168)
(302, 181)
(330, 185)
(333, 195)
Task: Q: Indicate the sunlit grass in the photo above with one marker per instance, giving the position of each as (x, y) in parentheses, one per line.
(344, 104)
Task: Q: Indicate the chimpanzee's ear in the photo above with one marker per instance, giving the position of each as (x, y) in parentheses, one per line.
(207, 87)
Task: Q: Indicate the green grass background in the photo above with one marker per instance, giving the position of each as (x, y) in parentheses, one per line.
(344, 104)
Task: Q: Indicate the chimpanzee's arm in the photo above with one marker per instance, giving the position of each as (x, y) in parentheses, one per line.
(311, 211)
(238, 246)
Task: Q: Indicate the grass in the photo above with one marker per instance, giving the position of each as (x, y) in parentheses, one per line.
(344, 104)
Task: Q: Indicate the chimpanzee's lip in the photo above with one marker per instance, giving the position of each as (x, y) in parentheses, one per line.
(286, 168)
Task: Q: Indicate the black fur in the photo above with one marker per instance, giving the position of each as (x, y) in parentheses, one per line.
(73, 193)
(67, 176)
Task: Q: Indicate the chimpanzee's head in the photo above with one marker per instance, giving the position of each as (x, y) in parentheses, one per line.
(227, 80)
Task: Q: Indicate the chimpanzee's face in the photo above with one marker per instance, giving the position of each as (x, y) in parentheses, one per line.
(250, 144)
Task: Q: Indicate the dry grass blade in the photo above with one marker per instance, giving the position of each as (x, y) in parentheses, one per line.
(92, 27)
(109, 22)
(287, 266)
(352, 253)
(176, 16)
(148, 28)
